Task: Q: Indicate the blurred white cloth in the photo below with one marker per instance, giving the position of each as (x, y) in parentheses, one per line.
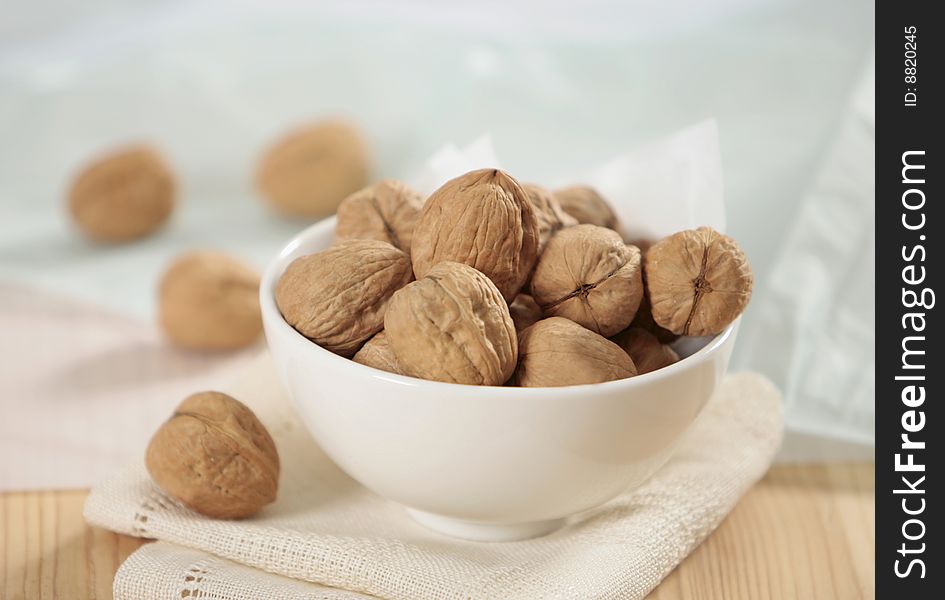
(326, 530)
(818, 299)
(83, 389)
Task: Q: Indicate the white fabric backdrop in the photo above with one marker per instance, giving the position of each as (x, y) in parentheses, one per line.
(558, 89)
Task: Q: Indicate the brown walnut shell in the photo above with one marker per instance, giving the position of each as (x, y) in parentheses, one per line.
(643, 244)
(377, 353)
(452, 325)
(210, 301)
(311, 170)
(386, 211)
(644, 319)
(215, 457)
(698, 281)
(587, 274)
(123, 196)
(525, 312)
(483, 219)
(586, 205)
(556, 352)
(548, 212)
(647, 352)
(337, 297)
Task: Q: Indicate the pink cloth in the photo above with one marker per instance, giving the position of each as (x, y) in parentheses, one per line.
(81, 389)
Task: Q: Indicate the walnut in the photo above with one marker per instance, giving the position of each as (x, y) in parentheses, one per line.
(587, 274)
(215, 457)
(643, 243)
(210, 301)
(377, 353)
(452, 325)
(525, 312)
(586, 205)
(483, 219)
(644, 320)
(647, 352)
(337, 297)
(698, 281)
(548, 212)
(557, 352)
(386, 211)
(310, 171)
(123, 196)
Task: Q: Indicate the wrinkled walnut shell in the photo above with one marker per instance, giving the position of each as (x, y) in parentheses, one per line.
(557, 352)
(452, 325)
(386, 211)
(525, 312)
(310, 171)
(377, 353)
(548, 213)
(647, 352)
(698, 282)
(123, 196)
(337, 297)
(215, 457)
(483, 219)
(586, 205)
(210, 301)
(587, 274)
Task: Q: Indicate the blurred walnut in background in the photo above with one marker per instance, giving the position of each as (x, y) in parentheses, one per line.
(308, 172)
(122, 196)
(210, 301)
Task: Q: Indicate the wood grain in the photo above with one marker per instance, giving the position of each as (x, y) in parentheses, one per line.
(47, 550)
(805, 531)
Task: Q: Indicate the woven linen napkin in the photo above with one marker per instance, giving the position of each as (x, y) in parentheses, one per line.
(328, 537)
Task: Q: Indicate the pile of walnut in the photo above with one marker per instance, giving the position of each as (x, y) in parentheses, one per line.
(490, 282)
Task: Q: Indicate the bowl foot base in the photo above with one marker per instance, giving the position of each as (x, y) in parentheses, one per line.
(484, 532)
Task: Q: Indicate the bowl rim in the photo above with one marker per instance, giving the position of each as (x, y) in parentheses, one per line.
(272, 317)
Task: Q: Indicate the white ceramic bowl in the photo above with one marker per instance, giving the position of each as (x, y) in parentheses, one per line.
(486, 463)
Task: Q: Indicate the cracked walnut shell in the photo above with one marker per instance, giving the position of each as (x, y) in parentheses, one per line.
(587, 274)
(337, 297)
(311, 170)
(123, 196)
(215, 457)
(698, 282)
(586, 205)
(483, 219)
(645, 349)
(210, 301)
(452, 325)
(386, 211)
(557, 352)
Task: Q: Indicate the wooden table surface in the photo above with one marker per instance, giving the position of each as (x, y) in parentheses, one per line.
(805, 531)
